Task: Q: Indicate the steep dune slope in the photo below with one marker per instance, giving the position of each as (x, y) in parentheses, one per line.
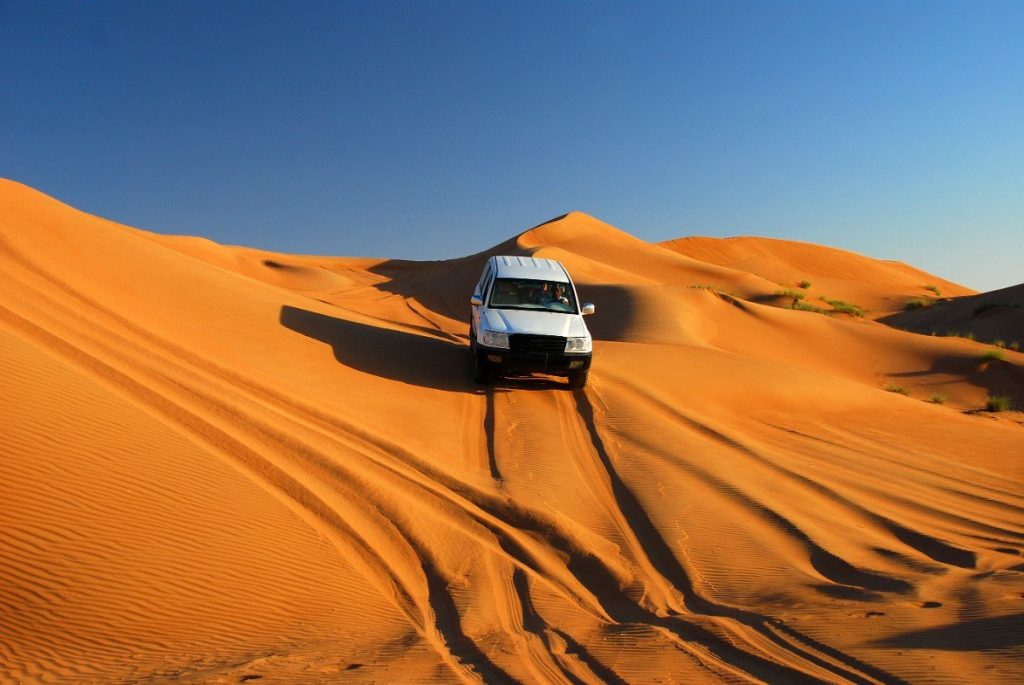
(224, 464)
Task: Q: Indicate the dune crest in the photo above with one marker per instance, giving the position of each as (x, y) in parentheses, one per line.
(223, 464)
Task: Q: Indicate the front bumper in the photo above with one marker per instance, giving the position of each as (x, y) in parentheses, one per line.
(520, 361)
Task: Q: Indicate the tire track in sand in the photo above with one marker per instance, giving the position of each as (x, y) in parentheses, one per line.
(709, 635)
(159, 393)
(236, 437)
(321, 505)
(778, 643)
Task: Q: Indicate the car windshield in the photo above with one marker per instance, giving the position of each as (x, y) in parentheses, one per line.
(522, 293)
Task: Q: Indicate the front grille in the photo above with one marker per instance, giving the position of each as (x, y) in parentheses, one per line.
(541, 344)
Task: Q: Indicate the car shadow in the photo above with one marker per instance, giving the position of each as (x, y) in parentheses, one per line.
(424, 360)
(428, 361)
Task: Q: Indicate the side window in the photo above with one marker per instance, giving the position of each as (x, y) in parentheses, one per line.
(483, 280)
(486, 289)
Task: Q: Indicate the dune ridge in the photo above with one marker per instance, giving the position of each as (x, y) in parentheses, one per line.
(224, 464)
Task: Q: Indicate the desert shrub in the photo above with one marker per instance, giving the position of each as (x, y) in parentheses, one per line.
(805, 284)
(789, 292)
(917, 303)
(804, 307)
(999, 342)
(845, 307)
(998, 403)
(934, 289)
(969, 335)
(938, 398)
(1015, 346)
(892, 387)
(992, 355)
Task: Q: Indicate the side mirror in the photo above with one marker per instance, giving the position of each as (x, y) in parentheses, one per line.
(476, 301)
(588, 308)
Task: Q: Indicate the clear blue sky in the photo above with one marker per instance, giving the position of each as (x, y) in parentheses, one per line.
(429, 130)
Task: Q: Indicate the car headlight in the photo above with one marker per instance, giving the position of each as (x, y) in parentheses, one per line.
(577, 344)
(495, 339)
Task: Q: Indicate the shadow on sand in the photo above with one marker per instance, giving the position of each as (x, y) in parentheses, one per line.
(422, 360)
(996, 377)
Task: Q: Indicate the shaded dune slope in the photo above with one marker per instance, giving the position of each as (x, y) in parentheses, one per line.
(223, 464)
(990, 317)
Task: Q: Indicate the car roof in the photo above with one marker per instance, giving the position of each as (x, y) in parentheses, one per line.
(529, 267)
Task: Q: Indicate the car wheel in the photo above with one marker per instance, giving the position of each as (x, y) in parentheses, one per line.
(578, 380)
(481, 370)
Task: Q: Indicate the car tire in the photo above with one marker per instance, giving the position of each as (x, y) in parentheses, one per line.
(578, 380)
(481, 370)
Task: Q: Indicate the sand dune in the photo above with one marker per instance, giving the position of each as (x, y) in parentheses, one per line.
(879, 287)
(228, 465)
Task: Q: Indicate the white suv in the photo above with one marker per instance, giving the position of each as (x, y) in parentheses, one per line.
(526, 318)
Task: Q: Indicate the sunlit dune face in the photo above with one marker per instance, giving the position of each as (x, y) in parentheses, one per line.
(228, 465)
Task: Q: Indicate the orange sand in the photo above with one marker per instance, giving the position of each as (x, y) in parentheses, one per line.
(225, 465)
